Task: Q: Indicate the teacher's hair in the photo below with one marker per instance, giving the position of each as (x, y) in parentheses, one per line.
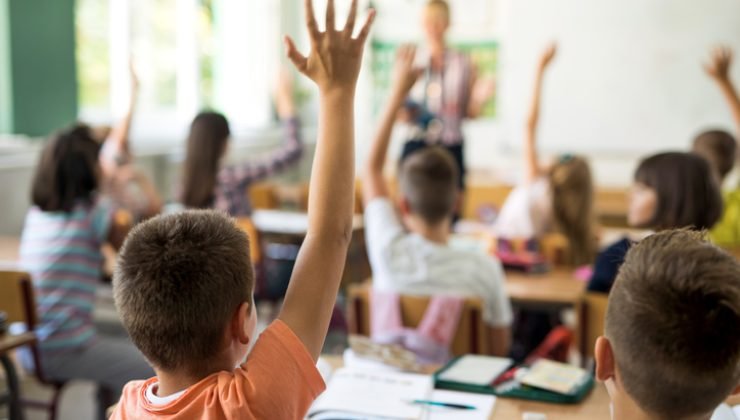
(442, 5)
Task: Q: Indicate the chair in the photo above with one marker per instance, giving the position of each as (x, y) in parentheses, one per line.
(471, 336)
(593, 317)
(17, 299)
(255, 248)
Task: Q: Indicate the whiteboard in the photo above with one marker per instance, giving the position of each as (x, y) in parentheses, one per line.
(628, 76)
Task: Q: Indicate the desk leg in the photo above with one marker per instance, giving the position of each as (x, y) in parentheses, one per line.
(13, 388)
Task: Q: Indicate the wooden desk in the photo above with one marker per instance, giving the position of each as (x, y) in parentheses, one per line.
(8, 343)
(557, 287)
(594, 407)
(9, 248)
(286, 227)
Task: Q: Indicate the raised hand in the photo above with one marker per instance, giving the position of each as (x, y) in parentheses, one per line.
(133, 75)
(405, 73)
(284, 94)
(547, 56)
(718, 67)
(335, 57)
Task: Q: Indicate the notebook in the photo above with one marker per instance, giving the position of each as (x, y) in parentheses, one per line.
(354, 393)
(476, 370)
(483, 406)
(509, 384)
(555, 377)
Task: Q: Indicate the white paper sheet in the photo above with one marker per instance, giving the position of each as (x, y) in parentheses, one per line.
(374, 394)
(476, 370)
(483, 406)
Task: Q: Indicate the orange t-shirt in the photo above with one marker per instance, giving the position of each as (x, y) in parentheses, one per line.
(279, 380)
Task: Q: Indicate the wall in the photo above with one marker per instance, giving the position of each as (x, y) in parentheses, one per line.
(41, 38)
(628, 78)
(6, 110)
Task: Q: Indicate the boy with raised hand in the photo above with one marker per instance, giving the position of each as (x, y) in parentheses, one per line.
(184, 282)
(420, 261)
(672, 337)
(720, 149)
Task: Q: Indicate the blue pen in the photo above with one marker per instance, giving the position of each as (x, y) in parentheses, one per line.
(444, 404)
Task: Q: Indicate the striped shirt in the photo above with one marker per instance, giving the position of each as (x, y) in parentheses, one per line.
(62, 253)
(233, 182)
(446, 94)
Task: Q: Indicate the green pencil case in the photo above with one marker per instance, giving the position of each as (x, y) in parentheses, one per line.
(514, 389)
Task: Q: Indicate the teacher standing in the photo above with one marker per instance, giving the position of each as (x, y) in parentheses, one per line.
(447, 93)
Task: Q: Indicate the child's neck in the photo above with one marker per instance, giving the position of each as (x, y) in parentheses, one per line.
(438, 234)
(173, 382)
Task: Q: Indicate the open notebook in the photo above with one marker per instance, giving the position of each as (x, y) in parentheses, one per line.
(360, 394)
(364, 394)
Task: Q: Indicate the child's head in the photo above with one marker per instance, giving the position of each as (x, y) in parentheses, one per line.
(718, 147)
(572, 205)
(436, 20)
(674, 190)
(183, 288)
(68, 171)
(428, 180)
(672, 345)
(206, 145)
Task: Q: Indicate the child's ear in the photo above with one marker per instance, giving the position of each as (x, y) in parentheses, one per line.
(403, 206)
(459, 198)
(605, 364)
(736, 391)
(240, 325)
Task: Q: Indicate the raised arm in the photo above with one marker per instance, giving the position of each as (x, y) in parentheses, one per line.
(334, 65)
(531, 158)
(116, 150)
(482, 90)
(719, 70)
(405, 75)
(240, 176)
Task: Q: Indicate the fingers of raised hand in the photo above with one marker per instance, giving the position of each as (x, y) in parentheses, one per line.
(298, 59)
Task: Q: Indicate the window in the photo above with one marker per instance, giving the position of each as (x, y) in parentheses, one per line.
(189, 55)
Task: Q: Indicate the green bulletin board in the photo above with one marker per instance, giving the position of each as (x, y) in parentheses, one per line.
(484, 55)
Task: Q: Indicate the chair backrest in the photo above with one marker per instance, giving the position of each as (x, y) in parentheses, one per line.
(471, 336)
(255, 246)
(592, 321)
(262, 196)
(16, 297)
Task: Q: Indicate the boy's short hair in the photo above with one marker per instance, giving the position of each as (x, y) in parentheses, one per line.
(179, 280)
(429, 182)
(67, 172)
(688, 193)
(673, 321)
(719, 148)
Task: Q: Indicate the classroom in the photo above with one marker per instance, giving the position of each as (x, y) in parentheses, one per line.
(369, 209)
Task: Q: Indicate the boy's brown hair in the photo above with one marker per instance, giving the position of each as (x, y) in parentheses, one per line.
(673, 321)
(429, 182)
(718, 147)
(179, 280)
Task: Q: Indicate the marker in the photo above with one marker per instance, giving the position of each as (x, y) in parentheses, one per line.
(444, 404)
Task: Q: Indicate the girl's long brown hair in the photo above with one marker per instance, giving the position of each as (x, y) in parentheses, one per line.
(573, 207)
(206, 143)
